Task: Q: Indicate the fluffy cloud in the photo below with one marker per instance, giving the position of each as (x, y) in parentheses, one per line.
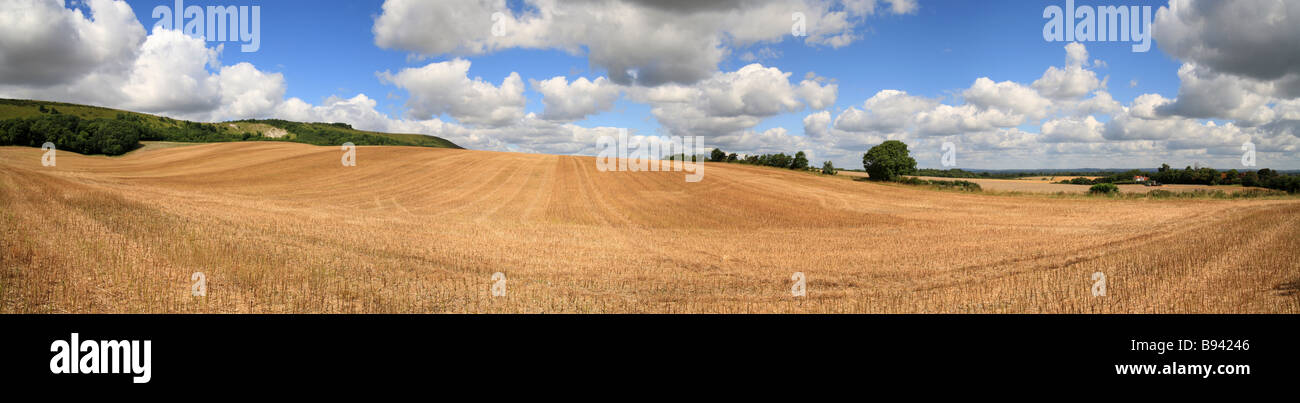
(1240, 58)
(568, 102)
(1145, 105)
(642, 42)
(463, 27)
(55, 53)
(445, 88)
(359, 111)
(753, 90)
(1007, 98)
(1204, 93)
(1071, 82)
(247, 92)
(948, 120)
(43, 43)
(816, 94)
(990, 108)
(1126, 127)
(171, 75)
(1072, 130)
(527, 134)
(1101, 103)
(730, 102)
(1254, 39)
(887, 111)
(986, 121)
(869, 7)
(815, 125)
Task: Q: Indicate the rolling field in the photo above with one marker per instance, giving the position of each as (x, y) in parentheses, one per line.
(284, 227)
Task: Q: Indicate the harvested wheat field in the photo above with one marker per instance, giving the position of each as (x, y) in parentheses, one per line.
(281, 227)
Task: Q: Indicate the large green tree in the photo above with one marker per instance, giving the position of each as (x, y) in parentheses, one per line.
(800, 161)
(717, 155)
(828, 168)
(888, 161)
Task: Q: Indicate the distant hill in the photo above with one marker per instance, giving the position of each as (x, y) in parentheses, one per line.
(96, 130)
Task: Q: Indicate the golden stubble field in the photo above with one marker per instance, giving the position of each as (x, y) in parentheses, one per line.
(280, 227)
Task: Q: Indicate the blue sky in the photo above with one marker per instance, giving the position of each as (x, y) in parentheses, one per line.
(329, 50)
(684, 68)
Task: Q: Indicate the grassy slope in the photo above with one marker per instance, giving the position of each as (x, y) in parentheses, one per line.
(12, 108)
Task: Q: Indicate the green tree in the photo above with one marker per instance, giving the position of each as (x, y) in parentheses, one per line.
(828, 168)
(800, 161)
(732, 157)
(717, 155)
(1250, 179)
(1232, 177)
(778, 160)
(1104, 188)
(888, 161)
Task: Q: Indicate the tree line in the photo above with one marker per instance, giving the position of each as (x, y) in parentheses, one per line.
(1264, 178)
(124, 132)
(960, 173)
(105, 136)
(891, 160)
(72, 133)
(798, 161)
